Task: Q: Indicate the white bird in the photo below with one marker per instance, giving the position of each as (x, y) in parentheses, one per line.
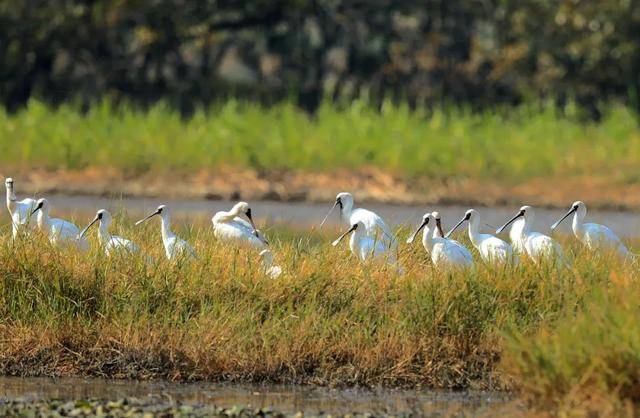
(593, 236)
(228, 226)
(111, 243)
(365, 247)
(515, 235)
(492, 249)
(174, 247)
(19, 210)
(267, 264)
(374, 226)
(445, 253)
(59, 231)
(537, 246)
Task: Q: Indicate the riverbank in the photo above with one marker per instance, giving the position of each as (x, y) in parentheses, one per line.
(529, 154)
(368, 186)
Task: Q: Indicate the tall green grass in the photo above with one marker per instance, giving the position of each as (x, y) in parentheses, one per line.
(328, 319)
(510, 145)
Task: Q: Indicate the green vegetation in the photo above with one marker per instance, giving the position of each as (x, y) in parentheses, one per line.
(518, 145)
(327, 320)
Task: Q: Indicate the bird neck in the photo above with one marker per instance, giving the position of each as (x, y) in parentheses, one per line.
(526, 227)
(167, 233)
(11, 199)
(427, 238)
(577, 224)
(354, 241)
(346, 210)
(103, 234)
(474, 235)
(42, 218)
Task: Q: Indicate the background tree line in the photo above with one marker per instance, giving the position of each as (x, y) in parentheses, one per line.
(476, 52)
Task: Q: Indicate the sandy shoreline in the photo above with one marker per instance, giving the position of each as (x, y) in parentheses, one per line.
(369, 185)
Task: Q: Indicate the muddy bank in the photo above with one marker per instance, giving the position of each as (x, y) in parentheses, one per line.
(369, 185)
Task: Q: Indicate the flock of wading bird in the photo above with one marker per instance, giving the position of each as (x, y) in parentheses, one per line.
(370, 237)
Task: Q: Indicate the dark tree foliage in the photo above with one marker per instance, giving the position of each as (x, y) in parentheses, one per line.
(187, 52)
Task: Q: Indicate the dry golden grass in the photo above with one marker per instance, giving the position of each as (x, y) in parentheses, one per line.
(558, 336)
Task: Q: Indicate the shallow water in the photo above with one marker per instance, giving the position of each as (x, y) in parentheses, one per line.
(625, 224)
(286, 398)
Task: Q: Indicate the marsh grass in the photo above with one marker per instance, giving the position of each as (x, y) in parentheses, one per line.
(327, 320)
(509, 145)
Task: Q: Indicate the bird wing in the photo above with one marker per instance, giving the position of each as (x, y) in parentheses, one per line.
(64, 230)
(22, 214)
(495, 247)
(237, 231)
(374, 224)
(122, 243)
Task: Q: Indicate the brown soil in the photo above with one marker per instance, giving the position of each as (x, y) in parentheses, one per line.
(369, 185)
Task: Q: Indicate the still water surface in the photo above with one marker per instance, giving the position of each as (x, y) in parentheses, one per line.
(286, 398)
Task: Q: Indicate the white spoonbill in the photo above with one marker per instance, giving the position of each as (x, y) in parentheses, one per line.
(267, 264)
(59, 231)
(537, 246)
(110, 243)
(228, 226)
(492, 249)
(593, 236)
(374, 226)
(174, 247)
(445, 253)
(19, 210)
(365, 247)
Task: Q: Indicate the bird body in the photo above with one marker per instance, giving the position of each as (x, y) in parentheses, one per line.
(59, 231)
(175, 247)
(445, 253)
(536, 245)
(267, 264)
(492, 249)
(228, 226)
(19, 210)
(374, 226)
(111, 243)
(593, 236)
(366, 248)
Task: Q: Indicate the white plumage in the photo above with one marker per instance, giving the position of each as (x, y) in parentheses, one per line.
(445, 253)
(367, 248)
(492, 249)
(593, 236)
(536, 245)
(19, 210)
(374, 226)
(515, 235)
(59, 231)
(174, 247)
(267, 264)
(111, 243)
(228, 226)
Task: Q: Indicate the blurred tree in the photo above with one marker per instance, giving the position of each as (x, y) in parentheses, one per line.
(478, 52)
